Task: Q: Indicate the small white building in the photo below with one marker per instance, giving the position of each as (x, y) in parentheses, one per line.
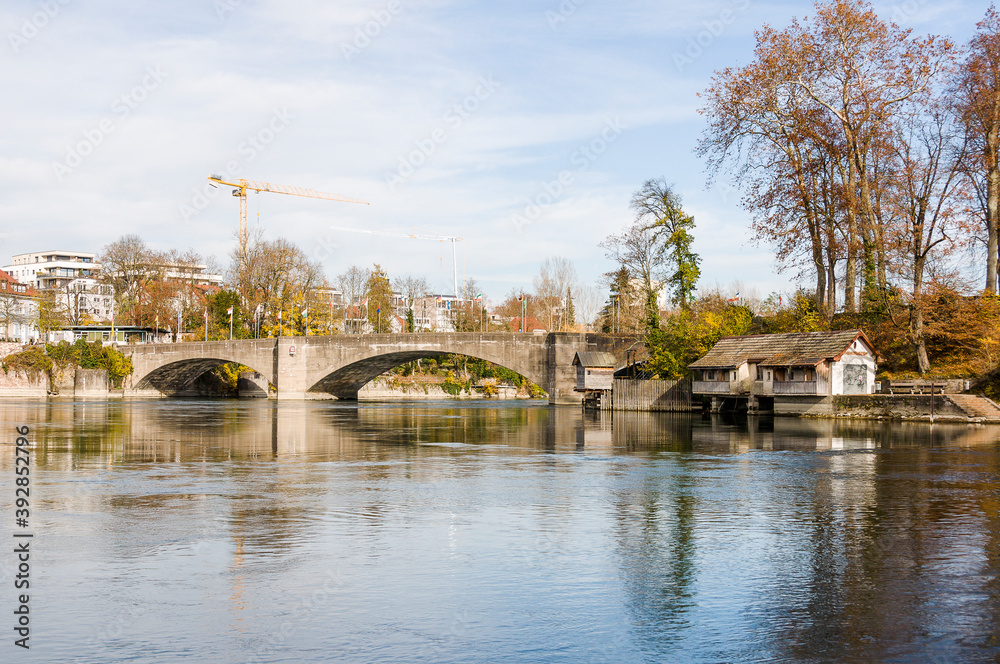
(796, 370)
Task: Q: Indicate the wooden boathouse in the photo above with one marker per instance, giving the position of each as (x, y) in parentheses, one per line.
(794, 373)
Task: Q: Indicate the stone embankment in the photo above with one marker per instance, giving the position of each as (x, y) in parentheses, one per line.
(379, 389)
(68, 381)
(920, 407)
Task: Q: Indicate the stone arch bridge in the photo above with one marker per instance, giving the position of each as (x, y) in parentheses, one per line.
(338, 366)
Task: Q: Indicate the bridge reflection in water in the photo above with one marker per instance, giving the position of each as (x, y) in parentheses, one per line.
(180, 429)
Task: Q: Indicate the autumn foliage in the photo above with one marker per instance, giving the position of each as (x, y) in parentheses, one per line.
(867, 157)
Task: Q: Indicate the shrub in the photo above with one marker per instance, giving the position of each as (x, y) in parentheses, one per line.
(32, 361)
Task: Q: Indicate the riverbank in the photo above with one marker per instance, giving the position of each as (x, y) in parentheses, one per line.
(957, 408)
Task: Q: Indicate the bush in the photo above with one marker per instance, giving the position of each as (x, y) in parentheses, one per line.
(93, 355)
(229, 374)
(62, 353)
(454, 387)
(32, 361)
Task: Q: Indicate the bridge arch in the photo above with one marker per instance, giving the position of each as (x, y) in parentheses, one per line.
(170, 369)
(176, 377)
(344, 381)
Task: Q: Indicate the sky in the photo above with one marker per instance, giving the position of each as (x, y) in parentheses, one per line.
(522, 127)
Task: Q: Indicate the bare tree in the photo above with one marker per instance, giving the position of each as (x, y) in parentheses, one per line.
(130, 266)
(587, 300)
(411, 287)
(275, 276)
(352, 283)
(555, 276)
(930, 203)
(659, 209)
(639, 251)
(11, 309)
(469, 315)
(808, 127)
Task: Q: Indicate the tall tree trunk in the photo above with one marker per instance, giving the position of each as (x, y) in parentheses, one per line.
(917, 313)
(831, 280)
(992, 208)
(816, 238)
(820, 297)
(923, 362)
(850, 272)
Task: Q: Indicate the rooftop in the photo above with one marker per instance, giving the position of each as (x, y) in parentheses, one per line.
(595, 359)
(796, 348)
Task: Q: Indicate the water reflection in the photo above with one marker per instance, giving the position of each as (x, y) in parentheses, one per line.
(552, 535)
(177, 430)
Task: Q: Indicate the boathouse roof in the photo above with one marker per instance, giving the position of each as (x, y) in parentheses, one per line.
(594, 360)
(793, 349)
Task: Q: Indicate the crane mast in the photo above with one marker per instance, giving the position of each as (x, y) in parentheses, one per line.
(413, 236)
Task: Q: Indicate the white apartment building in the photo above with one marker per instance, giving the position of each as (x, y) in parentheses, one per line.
(87, 299)
(195, 274)
(73, 277)
(52, 270)
(434, 313)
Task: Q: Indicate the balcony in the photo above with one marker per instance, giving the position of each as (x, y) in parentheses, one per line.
(794, 387)
(710, 387)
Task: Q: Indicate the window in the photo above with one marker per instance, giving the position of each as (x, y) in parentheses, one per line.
(760, 373)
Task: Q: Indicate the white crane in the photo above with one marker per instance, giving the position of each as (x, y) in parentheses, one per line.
(441, 238)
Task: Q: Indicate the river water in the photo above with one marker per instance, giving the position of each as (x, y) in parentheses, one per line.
(250, 531)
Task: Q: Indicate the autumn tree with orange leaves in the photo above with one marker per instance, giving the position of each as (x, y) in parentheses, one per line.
(977, 103)
(848, 156)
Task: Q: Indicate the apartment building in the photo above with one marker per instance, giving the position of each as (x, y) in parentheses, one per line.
(52, 270)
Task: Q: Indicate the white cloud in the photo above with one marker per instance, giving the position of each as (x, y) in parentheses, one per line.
(354, 119)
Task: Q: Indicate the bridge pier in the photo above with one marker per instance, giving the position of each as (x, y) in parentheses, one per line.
(290, 370)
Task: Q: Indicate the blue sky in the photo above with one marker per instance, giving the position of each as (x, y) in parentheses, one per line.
(523, 127)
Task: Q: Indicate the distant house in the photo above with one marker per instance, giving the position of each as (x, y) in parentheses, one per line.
(805, 367)
(529, 324)
(18, 310)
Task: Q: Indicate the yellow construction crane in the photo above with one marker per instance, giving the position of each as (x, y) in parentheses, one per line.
(241, 187)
